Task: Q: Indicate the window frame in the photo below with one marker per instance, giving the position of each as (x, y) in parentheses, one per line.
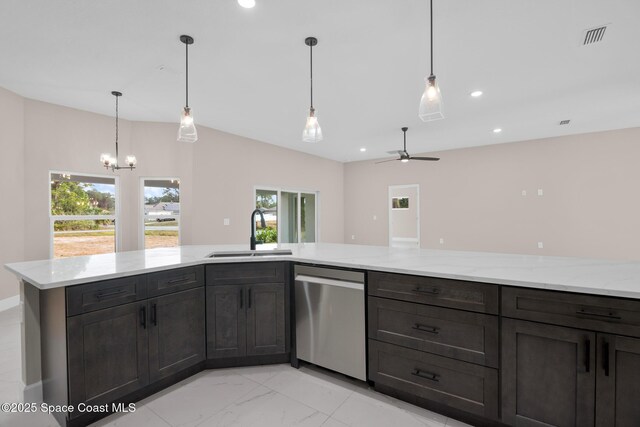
(299, 191)
(141, 236)
(54, 218)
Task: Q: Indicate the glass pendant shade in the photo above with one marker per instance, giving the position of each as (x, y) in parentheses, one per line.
(312, 131)
(105, 159)
(431, 101)
(187, 131)
(131, 161)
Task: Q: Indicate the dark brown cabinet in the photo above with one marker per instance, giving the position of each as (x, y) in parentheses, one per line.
(548, 375)
(245, 320)
(247, 313)
(176, 332)
(107, 354)
(226, 321)
(618, 381)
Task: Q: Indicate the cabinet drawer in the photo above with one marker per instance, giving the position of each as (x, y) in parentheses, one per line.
(606, 314)
(107, 293)
(462, 335)
(180, 279)
(465, 386)
(246, 273)
(435, 291)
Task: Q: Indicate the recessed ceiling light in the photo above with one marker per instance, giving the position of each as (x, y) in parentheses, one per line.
(363, 149)
(247, 4)
(497, 130)
(476, 93)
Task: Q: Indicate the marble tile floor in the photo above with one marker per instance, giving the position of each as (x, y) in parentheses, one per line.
(274, 395)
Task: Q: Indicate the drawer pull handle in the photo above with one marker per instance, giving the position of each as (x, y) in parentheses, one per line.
(424, 328)
(101, 295)
(610, 315)
(433, 291)
(178, 280)
(426, 375)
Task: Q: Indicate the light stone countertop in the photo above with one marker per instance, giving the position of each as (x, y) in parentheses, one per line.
(591, 276)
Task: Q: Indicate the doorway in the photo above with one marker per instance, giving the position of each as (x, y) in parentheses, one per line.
(404, 216)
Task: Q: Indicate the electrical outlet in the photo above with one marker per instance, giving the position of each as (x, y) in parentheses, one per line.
(227, 221)
(524, 192)
(375, 217)
(540, 245)
(353, 237)
(540, 192)
(442, 241)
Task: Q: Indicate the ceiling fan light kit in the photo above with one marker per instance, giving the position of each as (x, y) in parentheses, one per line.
(312, 132)
(405, 156)
(187, 131)
(112, 162)
(431, 101)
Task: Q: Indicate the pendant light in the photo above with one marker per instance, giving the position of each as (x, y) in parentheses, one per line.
(187, 131)
(312, 131)
(431, 101)
(112, 162)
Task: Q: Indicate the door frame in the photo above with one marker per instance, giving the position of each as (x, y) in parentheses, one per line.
(390, 213)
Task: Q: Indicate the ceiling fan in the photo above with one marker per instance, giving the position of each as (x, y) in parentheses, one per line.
(404, 156)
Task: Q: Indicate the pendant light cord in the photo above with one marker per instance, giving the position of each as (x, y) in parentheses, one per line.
(311, 72)
(187, 80)
(431, 16)
(116, 129)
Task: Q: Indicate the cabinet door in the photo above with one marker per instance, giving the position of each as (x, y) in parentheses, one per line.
(107, 354)
(226, 321)
(548, 375)
(618, 381)
(176, 332)
(265, 319)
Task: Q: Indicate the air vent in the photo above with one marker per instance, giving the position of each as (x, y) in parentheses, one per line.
(564, 122)
(593, 35)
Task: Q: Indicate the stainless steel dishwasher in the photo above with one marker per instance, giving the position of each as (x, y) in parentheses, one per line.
(330, 327)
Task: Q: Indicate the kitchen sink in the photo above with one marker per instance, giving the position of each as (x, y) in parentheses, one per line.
(234, 254)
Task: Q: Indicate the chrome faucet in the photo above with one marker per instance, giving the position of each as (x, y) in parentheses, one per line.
(263, 224)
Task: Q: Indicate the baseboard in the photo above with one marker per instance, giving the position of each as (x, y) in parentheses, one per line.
(10, 302)
(33, 393)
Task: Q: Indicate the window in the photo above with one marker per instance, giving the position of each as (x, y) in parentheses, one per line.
(291, 216)
(161, 212)
(83, 214)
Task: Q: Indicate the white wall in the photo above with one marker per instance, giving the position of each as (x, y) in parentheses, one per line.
(217, 176)
(12, 178)
(472, 198)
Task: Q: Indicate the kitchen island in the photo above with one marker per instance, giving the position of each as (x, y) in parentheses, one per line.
(462, 316)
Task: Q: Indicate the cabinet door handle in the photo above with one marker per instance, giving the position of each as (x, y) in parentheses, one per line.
(433, 291)
(605, 358)
(178, 280)
(249, 299)
(425, 328)
(610, 315)
(154, 315)
(241, 296)
(426, 375)
(101, 295)
(143, 316)
(587, 355)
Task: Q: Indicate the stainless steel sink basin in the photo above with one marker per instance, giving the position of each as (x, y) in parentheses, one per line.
(238, 254)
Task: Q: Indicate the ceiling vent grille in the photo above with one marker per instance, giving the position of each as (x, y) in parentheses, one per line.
(593, 35)
(564, 122)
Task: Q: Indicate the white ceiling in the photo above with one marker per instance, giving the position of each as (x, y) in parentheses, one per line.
(249, 68)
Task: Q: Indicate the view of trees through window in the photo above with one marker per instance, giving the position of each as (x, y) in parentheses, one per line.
(267, 200)
(161, 221)
(83, 210)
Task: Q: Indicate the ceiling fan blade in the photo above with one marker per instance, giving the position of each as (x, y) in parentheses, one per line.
(433, 159)
(385, 161)
(394, 152)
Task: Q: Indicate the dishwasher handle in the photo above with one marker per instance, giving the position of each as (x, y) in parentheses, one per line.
(329, 282)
